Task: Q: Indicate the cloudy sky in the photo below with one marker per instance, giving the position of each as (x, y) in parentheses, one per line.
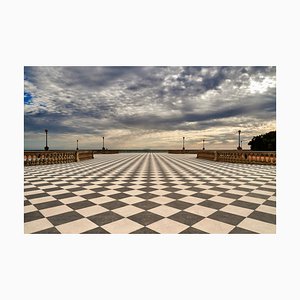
(147, 107)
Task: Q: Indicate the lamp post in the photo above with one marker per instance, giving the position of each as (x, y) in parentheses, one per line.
(203, 145)
(46, 147)
(183, 148)
(77, 146)
(239, 146)
(103, 143)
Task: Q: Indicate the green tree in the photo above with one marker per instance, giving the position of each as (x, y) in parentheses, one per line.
(264, 142)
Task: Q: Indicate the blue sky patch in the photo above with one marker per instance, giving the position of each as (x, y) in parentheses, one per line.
(27, 98)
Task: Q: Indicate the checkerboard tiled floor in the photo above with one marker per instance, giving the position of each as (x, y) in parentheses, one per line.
(150, 193)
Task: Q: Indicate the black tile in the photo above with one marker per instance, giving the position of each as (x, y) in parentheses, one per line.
(83, 184)
(80, 204)
(113, 205)
(98, 230)
(245, 204)
(123, 189)
(40, 195)
(91, 196)
(51, 230)
(52, 189)
(145, 218)
(260, 196)
(31, 189)
(105, 218)
(196, 190)
(226, 217)
(171, 189)
(63, 196)
(243, 189)
(146, 205)
(144, 230)
(62, 184)
(267, 189)
(64, 218)
(192, 230)
(212, 204)
(75, 189)
(31, 216)
(99, 189)
(270, 203)
(203, 196)
(26, 202)
(239, 230)
(231, 196)
(219, 189)
(261, 216)
(119, 196)
(186, 218)
(179, 204)
(48, 204)
(146, 196)
(147, 189)
(174, 196)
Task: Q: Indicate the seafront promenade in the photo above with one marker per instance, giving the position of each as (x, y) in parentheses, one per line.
(149, 193)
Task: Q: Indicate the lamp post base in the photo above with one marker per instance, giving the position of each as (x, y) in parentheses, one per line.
(46, 148)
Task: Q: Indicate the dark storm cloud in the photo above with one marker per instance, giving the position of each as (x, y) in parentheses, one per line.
(93, 99)
(261, 110)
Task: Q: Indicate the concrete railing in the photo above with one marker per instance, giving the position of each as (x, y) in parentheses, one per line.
(192, 151)
(244, 156)
(32, 158)
(105, 151)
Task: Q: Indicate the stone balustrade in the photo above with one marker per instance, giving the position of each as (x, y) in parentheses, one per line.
(191, 151)
(32, 158)
(244, 156)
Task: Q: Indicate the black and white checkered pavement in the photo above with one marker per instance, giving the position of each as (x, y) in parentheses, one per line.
(150, 193)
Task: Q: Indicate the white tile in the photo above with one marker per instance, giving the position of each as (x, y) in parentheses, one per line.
(186, 192)
(128, 210)
(134, 192)
(77, 226)
(91, 210)
(33, 192)
(132, 200)
(29, 208)
(167, 226)
(267, 209)
(160, 192)
(42, 200)
(109, 192)
(83, 192)
(56, 210)
(57, 192)
(71, 200)
(161, 200)
(221, 199)
(236, 210)
(200, 210)
(102, 199)
(212, 226)
(237, 192)
(164, 210)
(36, 225)
(257, 226)
(122, 226)
(193, 200)
(252, 199)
